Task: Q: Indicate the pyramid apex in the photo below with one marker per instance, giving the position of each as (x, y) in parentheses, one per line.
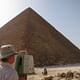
(30, 9)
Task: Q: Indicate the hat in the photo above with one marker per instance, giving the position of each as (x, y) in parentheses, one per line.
(7, 50)
(23, 52)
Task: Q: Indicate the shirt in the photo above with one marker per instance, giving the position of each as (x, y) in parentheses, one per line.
(7, 72)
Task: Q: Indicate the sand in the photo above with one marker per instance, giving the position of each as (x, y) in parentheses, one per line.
(53, 71)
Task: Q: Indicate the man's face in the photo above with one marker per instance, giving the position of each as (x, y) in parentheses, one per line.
(11, 59)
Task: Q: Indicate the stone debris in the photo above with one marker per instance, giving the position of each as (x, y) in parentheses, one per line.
(48, 78)
(64, 76)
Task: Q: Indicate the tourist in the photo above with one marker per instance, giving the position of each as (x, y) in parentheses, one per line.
(7, 58)
(45, 71)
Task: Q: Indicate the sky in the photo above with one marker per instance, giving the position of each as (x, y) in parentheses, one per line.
(64, 15)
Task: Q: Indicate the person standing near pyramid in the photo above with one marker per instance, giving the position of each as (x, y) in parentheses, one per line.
(7, 58)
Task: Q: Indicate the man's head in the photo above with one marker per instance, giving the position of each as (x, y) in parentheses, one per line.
(7, 52)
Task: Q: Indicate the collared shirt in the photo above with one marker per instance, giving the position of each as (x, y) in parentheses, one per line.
(7, 72)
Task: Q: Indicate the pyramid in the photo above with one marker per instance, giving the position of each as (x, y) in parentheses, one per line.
(29, 31)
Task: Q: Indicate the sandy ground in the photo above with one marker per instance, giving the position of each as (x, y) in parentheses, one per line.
(52, 71)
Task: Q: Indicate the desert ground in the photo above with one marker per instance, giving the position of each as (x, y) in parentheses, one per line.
(57, 73)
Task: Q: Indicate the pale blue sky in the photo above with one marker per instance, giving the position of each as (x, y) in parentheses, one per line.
(64, 15)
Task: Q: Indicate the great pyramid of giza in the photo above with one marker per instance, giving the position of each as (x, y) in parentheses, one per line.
(29, 31)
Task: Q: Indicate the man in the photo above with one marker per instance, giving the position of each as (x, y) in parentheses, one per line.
(20, 65)
(7, 58)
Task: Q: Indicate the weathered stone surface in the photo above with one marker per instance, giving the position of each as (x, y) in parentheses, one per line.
(31, 32)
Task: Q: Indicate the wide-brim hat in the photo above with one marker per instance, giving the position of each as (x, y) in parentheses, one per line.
(7, 50)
